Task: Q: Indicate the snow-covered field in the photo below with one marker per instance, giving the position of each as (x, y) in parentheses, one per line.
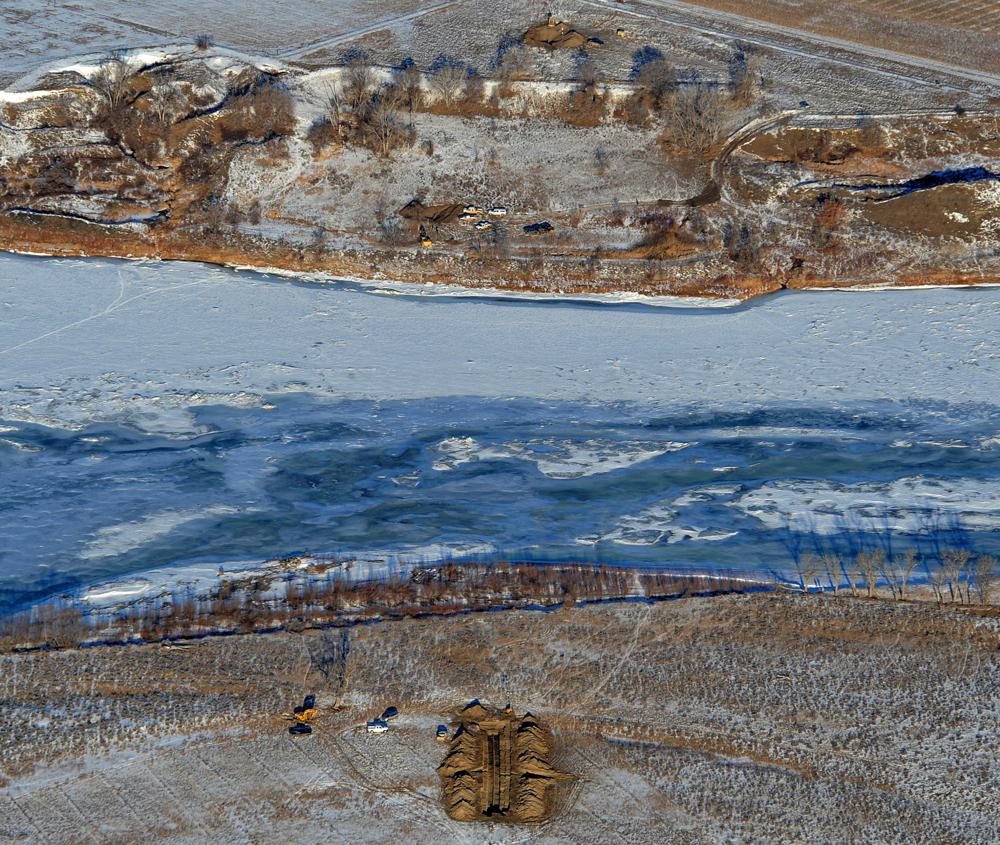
(161, 415)
(35, 32)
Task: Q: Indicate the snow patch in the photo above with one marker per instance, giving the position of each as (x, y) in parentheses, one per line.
(658, 523)
(912, 505)
(114, 540)
(555, 458)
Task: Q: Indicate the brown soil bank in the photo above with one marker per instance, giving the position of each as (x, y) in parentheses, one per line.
(553, 274)
(561, 274)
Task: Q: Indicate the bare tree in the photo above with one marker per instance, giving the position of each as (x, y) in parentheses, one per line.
(328, 656)
(334, 99)
(694, 117)
(832, 568)
(870, 564)
(744, 75)
(954, 563)
(407, 81)
(358, 81)
(808, 569)
(985, 575)
(111, 79)
(447, 82)
(890, 574)
(163, 101)
(853, 573)
(657, 79)
(936, 578)
(905, 564)
(379, 120)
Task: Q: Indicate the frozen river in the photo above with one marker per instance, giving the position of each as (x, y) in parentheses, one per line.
(164, 414)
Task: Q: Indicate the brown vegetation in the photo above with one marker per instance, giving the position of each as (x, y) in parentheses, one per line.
(694, 118)
(172, 132)
(332, 598)
(754, 718)
(667, 238)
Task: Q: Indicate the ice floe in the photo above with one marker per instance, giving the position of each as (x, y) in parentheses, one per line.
(910, 505)
(123, 537)
(555, 458)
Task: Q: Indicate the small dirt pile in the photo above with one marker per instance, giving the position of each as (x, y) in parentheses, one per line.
(416, 210)
(554, 35)
(498, 765)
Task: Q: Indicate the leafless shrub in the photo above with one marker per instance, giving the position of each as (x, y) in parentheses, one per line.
(473, 90)
(817, 147)
(390, 230)
(744, 76)
(203, 41)
(871, 135)
(743, 244)
(358, 81)
(830, 216)
(586, 106)
(600, 160)
(321, 133)
(328, 655)
(694, 117)
(657, 79)
(112, 80)
(261, 111)
(378, 122)
(447, 82)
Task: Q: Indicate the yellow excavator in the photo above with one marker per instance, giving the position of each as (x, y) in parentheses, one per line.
(302, 717)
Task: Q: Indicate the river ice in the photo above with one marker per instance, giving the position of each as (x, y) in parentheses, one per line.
(165, 414)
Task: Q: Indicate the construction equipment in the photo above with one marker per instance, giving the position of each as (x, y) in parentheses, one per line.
(303, 716)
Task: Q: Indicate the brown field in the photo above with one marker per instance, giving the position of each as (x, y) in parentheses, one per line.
(949, 32)
(751, 719)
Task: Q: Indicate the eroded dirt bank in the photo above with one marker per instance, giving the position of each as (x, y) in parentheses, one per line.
(660, 186)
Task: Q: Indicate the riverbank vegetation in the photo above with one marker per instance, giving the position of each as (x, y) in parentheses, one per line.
(330, 596)
(321, 593)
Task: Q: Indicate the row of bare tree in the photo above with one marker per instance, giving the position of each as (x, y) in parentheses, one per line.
(337, 598)
(953, 575)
